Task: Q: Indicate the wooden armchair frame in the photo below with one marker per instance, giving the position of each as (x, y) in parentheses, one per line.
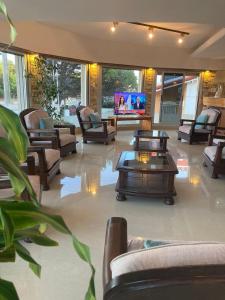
(53, 135)
(186, 283)
(195, 135)
(217, 166)
(103, 136)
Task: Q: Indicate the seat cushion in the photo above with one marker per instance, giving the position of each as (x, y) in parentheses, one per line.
(169, 255)
(185, 129)
(66, 139)
(217, 141)
(210, 151)
(51, 155)
(110, 129)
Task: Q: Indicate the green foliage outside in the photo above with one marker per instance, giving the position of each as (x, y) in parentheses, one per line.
(116, 80)
(12, 80)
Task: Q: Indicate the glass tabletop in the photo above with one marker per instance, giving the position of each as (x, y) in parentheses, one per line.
(151, 133)
(144, 160)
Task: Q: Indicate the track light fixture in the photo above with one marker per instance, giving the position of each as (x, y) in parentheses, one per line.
(150, 34)
(113, 27)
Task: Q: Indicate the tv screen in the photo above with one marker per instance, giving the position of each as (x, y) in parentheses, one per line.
(129, 103)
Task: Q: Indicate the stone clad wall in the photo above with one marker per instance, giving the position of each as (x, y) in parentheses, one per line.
(148, 86)
(95, 87)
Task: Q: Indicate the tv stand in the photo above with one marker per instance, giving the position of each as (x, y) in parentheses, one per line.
(146, 120)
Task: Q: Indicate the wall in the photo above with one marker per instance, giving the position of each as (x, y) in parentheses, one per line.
(95, 86)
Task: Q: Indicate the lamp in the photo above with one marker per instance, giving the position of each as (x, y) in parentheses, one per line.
(151, 34)
(181, 39)
(113, 27)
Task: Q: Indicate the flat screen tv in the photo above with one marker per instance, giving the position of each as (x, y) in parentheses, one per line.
(129, 103)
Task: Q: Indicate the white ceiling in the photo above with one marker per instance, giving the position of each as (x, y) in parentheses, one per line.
(90, 18)
(139, 35)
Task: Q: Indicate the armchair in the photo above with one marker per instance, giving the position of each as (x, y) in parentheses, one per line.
(214, 153)
(194, 131)
(105, 132)
(186, 270)
(61, 137)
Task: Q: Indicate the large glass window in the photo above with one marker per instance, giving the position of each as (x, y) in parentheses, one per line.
(13, 92)
(71, 82)
(117, 80)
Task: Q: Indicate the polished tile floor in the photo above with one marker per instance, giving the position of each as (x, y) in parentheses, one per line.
(84, 194)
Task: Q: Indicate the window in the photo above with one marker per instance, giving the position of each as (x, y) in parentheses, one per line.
(13, 92)
(117, 80)
(71, 82)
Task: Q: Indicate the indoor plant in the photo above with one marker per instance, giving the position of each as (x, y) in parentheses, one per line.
(21, 220)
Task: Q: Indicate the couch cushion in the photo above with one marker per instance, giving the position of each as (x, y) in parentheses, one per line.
(171, 255)
(212, 116)
(217, 141)
(85, 116)
(110, 129)
(51, 155)
(32, 119)
(202, 118)
(185, 129)
(210, 151)
(95, 118)
(66, 139)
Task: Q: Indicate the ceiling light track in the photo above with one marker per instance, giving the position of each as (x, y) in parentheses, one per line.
(159, 27)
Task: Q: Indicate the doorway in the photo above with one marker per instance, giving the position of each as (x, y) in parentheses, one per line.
(176, 96)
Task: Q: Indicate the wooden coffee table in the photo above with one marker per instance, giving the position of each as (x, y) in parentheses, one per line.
(149, 174)
(155, 140)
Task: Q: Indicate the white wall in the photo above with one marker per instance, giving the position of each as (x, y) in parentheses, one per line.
(38, 37)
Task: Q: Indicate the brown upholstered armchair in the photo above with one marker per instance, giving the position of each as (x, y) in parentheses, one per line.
(62, 136)
(214, 153)
(100, 131)
(194, 131)
(46, 161)
(186, 270)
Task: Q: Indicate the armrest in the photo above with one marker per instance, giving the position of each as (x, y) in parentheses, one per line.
(111, 120)
(186, 120)
(70, 126)
(52, 139)
(219, 151)
(42, 131)
(115, 244)
(42, 163)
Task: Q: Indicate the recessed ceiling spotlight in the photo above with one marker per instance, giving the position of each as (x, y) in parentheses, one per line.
(113, 27)
(181, 39)
(150, 34)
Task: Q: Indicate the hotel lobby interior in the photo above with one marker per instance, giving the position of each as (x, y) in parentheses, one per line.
(115, 111)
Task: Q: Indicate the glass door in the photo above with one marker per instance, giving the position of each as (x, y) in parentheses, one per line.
(176, 96)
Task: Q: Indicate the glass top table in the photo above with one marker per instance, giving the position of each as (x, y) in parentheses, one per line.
(150, 140)
(144, 174)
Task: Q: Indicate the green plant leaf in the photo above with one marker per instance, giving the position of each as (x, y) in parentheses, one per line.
(36, 237)
(8, 228)
(84, 253)
(4, 12)
(25, 255)
(7, 290)
(15, 131)
(10, 164)
(8, 255)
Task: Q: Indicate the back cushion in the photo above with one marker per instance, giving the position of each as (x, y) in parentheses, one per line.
(33, 118)
(212, 116)
(85, 116)
(172, 255)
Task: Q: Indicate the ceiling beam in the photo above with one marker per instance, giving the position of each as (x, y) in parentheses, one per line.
(212, 40)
